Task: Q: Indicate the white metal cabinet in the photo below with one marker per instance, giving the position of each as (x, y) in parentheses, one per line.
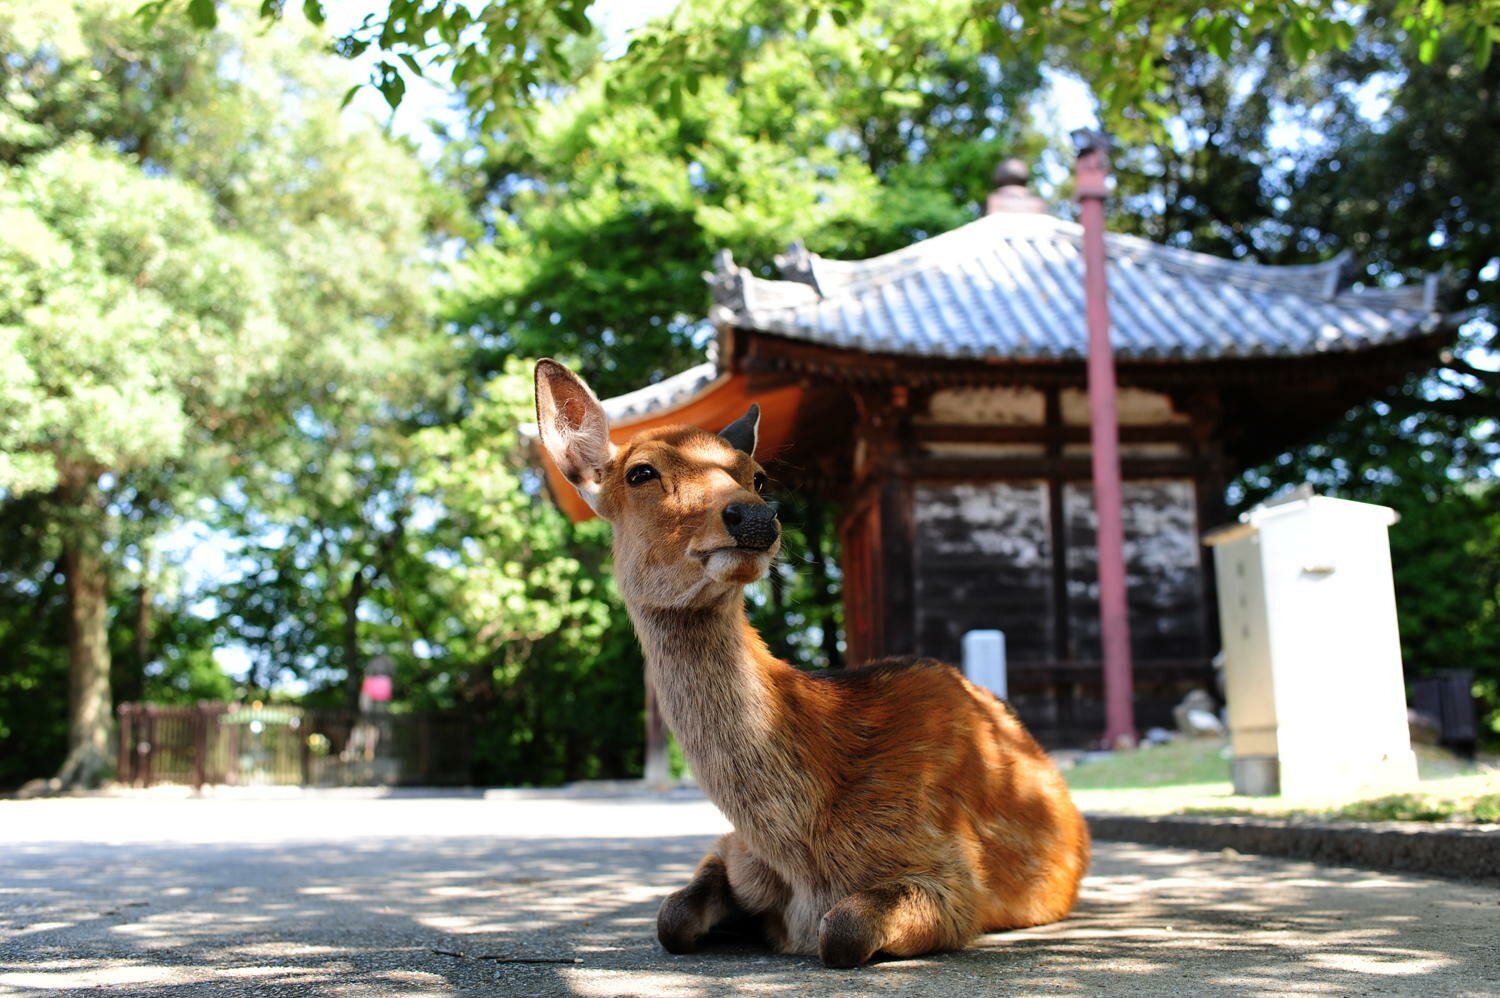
(1307, 608)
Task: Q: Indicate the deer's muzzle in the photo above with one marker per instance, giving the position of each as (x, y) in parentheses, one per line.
(752, 525)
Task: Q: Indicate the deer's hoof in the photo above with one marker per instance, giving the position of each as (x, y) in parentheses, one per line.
(845, 938)
(679, 923)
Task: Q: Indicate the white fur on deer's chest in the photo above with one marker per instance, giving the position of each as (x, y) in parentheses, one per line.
(810, 895)
(804, 916)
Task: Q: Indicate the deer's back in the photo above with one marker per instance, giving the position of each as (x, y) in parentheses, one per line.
(924, 770)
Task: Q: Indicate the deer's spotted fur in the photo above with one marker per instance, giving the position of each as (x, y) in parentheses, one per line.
(894, 809)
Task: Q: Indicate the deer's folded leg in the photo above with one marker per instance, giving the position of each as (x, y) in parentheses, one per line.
(689, 914)
(904, 918)
(757, 888)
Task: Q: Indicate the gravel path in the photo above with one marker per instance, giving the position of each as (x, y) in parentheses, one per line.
(510, 893)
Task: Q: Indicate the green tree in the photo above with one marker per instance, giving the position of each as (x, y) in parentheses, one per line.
(208, 274)
(121, 299)
(604, 221)
(1412, 191)
(522, 625)
(33, 626)
(1386, 167)
(1383, 165)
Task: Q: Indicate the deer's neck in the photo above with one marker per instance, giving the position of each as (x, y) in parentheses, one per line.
(718, 689)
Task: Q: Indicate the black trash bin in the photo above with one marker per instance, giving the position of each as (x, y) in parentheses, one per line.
(1448, 698)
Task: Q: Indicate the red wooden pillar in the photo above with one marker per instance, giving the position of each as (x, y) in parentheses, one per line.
(1092, 187)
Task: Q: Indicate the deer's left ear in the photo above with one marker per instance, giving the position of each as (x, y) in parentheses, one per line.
(574, 429)
(743, 432)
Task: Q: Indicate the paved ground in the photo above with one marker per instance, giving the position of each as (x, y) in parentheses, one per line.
(352, 895)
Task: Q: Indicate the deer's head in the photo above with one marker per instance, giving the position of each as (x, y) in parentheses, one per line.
(690, 525)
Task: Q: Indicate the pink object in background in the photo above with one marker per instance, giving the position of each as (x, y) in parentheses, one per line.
(376, 688)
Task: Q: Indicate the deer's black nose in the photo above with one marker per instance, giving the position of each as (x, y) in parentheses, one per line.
(752, 525)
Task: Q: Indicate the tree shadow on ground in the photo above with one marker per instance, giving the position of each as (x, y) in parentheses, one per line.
(437, 916)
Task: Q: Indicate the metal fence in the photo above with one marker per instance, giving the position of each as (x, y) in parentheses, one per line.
(247, 745)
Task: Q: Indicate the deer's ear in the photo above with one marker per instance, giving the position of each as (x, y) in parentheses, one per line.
(743, 432)
(574, 429)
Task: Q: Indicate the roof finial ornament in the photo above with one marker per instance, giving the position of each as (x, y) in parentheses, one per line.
(1012, 195)
(728, 283)
(796, 264)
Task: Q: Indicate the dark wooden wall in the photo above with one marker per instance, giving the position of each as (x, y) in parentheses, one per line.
(1163, 571)
(983, 559)
(940, 542)
(902, 444)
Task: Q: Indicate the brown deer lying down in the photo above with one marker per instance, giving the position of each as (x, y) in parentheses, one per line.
(895, 809)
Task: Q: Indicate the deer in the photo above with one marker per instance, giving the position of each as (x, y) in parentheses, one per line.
(894, 809)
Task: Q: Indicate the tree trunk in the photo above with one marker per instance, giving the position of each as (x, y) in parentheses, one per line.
(129, 676)
(827, 597)
(89, 699)
(776, 633)
(658, 757)
(352, 663)
(142, 626)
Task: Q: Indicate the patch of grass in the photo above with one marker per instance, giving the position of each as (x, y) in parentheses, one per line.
(1435, 763)
(1395, 807)
(1421, 807)
(1188, 761)
(1191, 777)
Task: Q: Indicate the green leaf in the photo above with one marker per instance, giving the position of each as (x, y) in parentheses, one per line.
(901, 98)
(1221, 38)
(203, 13)
(390, 84)
(1161, 112)
(151, 12)
(574, 18)
(314, 12)
(349, 95)
(1298, 44)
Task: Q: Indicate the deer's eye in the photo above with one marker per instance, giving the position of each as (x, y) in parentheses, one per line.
(641, 474)
(760, 482)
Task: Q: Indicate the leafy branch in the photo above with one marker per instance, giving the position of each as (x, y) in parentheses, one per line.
(506, 55)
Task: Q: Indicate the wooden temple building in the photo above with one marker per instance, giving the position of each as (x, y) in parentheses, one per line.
(937, 395)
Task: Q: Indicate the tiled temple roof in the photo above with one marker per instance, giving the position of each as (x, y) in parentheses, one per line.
(663, 395)
(1010, 286)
